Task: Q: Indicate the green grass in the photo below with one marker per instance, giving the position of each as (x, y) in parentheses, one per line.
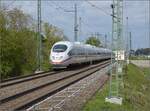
(136, 93)
(139, 58)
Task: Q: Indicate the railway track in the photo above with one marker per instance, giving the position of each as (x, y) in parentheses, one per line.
(20, 77)
(25, 78)
(17, 80)
(14, 87)
(49, 85)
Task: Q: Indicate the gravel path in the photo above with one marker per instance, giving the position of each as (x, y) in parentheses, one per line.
(43, 91)
(21, 87)
(76, 101)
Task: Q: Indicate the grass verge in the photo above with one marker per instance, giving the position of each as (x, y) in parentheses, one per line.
(136, 93)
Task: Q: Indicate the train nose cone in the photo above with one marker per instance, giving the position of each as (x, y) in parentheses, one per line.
(57, 59)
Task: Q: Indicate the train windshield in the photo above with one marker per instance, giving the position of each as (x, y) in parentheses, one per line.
(59, 48)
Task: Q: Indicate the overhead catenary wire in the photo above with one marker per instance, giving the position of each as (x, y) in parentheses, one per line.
(62, 9)
(85, 24)
(59, 8)
(101, 9)
(75, 22)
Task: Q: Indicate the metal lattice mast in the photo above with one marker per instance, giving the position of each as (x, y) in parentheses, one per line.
(105, 41)
(117, 46)
(127, 41)
(120, 25)
(120, 45)
(39, 38)
(80, 26)
(130, 45)
(130, 41)
(0, 4)
(75, 24)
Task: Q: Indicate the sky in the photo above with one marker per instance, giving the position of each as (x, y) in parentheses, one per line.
(93, 20)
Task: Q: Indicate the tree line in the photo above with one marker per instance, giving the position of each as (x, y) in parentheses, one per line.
(18, 43)
(142, 51)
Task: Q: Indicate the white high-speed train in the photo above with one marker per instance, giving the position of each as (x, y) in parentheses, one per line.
(65, 53)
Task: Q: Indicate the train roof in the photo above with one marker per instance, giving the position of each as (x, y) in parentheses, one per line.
(70, 44)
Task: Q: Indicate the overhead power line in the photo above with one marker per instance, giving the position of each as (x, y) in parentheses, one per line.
(39, 49)
(99, 8)
(60, 8)
(85, 24)
(75, 18)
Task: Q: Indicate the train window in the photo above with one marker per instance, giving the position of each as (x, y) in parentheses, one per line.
(70, 53)
(59, 48)
(79, 51)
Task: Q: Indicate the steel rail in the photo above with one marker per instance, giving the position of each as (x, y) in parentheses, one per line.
(24, 76)
(25, 106)
(5, 100)
(27, 78)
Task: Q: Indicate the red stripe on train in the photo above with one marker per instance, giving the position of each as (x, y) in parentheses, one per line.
(61, 61)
